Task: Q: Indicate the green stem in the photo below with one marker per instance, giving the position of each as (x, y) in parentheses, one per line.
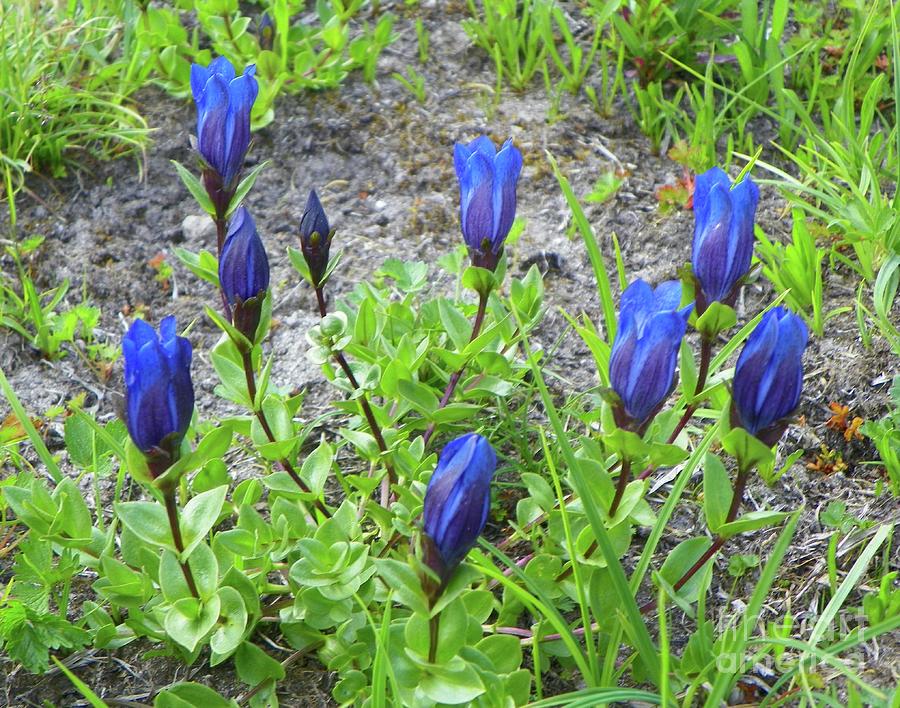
(172, 512)
(457, 375)
(250, 376)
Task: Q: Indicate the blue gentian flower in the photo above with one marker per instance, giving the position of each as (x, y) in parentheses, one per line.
(723, 235)
(159, 395)
(244, 273)
(243, 266)
(223, 116)
(768, 377)
(458, 498)
(315, 238)
(487, 199)
(644, 352)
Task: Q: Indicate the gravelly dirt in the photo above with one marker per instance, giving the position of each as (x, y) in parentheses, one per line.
(383, 166)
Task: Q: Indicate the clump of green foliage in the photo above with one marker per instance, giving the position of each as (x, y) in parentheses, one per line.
(67, 72)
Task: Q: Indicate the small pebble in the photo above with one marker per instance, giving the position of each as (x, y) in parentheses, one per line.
(198, 227)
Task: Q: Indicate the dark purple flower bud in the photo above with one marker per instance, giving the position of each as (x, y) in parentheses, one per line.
(159, 395)
(315, 238)
(265, 32)
(244, 272)
(645, 350)
(457, 500)
(487, 196)
(768, 377)
(723, 235)
(223, 103)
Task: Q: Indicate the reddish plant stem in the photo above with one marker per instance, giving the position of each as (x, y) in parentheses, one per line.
(221, 229)
(624, 479)
(267, 429)
(434, 625)
(740, 484)
(457, 375)
(172, 512)
(369, 414)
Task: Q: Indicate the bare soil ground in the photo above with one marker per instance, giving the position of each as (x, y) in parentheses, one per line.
(383, 166)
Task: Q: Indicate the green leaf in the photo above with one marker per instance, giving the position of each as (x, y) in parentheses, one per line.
(751, 521)
(300, 264)
(204, 264)
(663, 455)
(717, 318)
(188, 621)
(200, 515)
(419, 397)
(213, 446)
(455, 323)
(255, 666)
(504, 651)
(405, 584)
(748, 450)
(171, 578)
(717, 492)
(481, 280)
(148, 521)
(82, 687)
(195, 187)
(453, 683)
(680, 560)
(232, 622)
(317, 466)
(73, 525)
(191, 695)
(626, 445)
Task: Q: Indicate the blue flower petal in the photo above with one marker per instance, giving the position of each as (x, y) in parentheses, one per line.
(507, 166)
(650, 382)
(222, 67)
(477, 200)
(711, 251)
(484, 146)
(199, 76)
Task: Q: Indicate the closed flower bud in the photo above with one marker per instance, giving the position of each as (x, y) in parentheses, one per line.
(645, 350)
(723, 235)
(159, 395)
(487, 196)
(457, 501)
(224, 102)
(768, 377)
(265, 32)
(244, 272)
(315, 238)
